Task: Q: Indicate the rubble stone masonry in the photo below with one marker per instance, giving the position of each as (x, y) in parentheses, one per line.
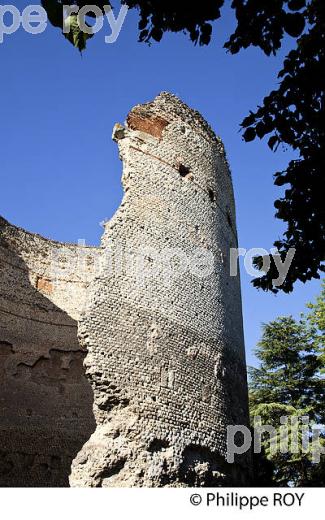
(158, 315)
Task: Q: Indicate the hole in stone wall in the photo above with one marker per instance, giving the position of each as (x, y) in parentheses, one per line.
(158, 445)
(183, 170)
(211, 195)
(112, 470)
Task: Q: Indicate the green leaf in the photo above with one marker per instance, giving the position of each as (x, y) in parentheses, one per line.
(76, 36)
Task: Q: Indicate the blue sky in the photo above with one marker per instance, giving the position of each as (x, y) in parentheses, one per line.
(60, 171)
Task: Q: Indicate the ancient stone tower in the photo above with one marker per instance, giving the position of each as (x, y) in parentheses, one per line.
(158, 314)
(165, 352)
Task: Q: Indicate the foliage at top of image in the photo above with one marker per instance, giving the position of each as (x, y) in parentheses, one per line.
(292, 116)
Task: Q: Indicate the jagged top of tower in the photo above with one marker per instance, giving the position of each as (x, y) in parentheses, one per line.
(168, 107)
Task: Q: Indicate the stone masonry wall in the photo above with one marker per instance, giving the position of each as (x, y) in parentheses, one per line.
(163, 323)
(45, 399)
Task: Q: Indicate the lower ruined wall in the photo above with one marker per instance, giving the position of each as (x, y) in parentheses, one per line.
(45, 399)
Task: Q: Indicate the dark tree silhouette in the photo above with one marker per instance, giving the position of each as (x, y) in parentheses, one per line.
(292, 115)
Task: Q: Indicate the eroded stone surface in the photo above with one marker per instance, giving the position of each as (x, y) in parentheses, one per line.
(165, 353)
(45, 400)
(165, 364)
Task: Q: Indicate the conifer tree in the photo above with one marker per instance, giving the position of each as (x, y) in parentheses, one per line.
(289, 383)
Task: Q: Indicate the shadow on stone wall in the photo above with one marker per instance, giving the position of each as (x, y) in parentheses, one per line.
(45, 399)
